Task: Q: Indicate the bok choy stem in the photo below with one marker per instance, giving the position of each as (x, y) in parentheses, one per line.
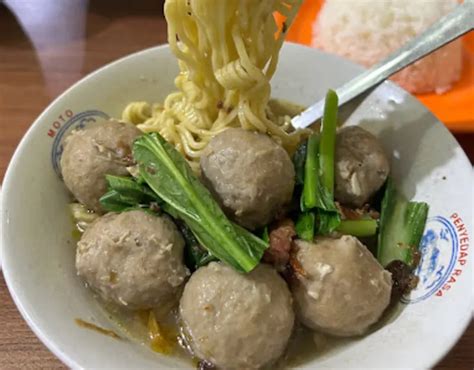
(401, 227)
(328, 215)
(318, 187)
(327, 144)
(311, 174)
(358, 228)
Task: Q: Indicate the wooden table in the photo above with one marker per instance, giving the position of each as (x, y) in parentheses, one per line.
(46, 46)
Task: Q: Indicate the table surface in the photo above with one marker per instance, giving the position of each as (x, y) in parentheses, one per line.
(46, 46)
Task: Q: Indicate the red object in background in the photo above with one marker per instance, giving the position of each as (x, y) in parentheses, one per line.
(455, 108)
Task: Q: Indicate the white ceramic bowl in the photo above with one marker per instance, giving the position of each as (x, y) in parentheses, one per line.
(38, 249)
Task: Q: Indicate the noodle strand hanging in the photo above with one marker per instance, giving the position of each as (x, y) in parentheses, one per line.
(228, 52)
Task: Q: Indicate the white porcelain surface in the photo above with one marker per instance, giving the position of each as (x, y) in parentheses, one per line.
(38, 250)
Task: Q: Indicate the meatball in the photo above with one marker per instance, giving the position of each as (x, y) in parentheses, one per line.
(237, 321)
(250, 174)
(361, 166)
(91, 153)
(340, 288)
(133, 259)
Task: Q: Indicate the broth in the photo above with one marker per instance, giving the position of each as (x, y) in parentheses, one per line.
(304, 345)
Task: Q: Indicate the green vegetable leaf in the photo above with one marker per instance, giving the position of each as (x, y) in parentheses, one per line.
(125, 194)
(130, 190)
(170, 177)
(401, 227)
(112, 202)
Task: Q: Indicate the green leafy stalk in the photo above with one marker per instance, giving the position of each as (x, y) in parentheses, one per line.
(358, 228)
(315, 194)
(252, 239)
(170, 177)
(318, 188)
(401, 227)
(327, 145)
(328, 215)
(125, 194)
(130, 189)
(305, 225)
(112, 202)
(309, 198)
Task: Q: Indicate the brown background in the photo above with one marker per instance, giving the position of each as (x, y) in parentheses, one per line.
(47, 45)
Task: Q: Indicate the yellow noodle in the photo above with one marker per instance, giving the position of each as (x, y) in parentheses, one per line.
(228, 52)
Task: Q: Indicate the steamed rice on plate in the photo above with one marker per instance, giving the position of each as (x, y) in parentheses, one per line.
(368, 31)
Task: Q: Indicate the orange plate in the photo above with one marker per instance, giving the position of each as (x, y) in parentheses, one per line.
(455, 108)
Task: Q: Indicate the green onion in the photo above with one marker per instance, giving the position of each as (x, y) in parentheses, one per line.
(401, 227)
(170, 177)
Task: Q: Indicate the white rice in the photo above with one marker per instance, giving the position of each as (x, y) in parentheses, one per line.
(366, 31)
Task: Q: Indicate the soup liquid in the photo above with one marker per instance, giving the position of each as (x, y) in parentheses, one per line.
(304, 346)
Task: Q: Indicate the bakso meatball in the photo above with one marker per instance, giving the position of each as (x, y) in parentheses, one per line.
(91, 153)
(339, 286)
(250, 174)
(361, 166)
(133, 259)
(234, 320)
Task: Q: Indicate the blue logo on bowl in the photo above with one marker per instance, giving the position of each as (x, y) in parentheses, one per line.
(77, 121)
(439, 249)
